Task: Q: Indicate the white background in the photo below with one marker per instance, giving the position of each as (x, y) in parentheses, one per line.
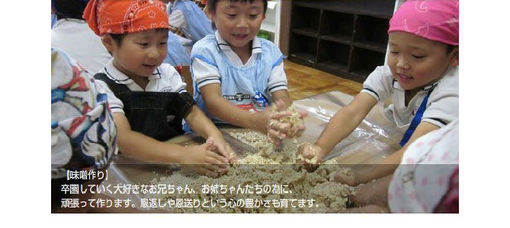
(25, 118)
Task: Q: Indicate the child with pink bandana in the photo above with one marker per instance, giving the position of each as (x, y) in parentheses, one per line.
(420, 77)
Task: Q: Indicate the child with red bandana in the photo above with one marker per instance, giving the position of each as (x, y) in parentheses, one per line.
(420, 77)
(148, 99)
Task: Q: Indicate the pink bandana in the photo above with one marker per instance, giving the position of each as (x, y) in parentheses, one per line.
(436, 20)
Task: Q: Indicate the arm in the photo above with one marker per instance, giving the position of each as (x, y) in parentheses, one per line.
(142, 147)
(228, 112)
(203, 126)
(344, 122)
(282, 95)
(340, 126)
(389, 164)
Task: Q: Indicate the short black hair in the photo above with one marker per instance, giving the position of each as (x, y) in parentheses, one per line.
(211, 6)
(65, 9)
(118, 37)
(450, 48)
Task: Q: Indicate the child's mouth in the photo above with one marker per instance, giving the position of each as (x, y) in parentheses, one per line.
(404, 78)
(240, 36)
(149, 67)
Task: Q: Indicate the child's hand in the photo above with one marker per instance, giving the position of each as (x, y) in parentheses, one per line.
(346, 176)
(310, 156)
(204, 160)
(222, 148)
(284, 122)
(298, 125)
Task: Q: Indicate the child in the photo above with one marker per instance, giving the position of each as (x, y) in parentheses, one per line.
(150, 100)
(236, 75)
(426, 181)
(421, 77)
(72, 34)
(83, 134)
(187, 16)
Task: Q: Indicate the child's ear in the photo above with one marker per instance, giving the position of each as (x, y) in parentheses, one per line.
(108, 42)
(454, 57)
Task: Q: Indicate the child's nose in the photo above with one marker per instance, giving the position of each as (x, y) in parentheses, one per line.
(243, 22)
(153, 53)
(402, 63)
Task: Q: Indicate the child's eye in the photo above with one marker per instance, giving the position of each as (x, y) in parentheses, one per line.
(394, 52)
(163, 43)
(254, 16)
(418, 56)
(143, 44)
(231, 15)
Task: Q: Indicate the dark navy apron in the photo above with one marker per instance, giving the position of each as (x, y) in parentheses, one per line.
(155, 114)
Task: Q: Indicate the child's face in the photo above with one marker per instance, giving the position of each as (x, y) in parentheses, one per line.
(238, 22)
(139, 53)
(416, 62)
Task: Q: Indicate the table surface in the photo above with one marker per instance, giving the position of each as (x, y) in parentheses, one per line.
(375, 138)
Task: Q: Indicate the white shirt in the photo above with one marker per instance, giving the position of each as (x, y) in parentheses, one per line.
(423, 177)
(164, 79)
(203, 70)
(442, 105)
(76, 38)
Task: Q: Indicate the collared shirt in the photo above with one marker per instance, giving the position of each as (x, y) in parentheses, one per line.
(442, 105)
(206, 74)
(164, 79)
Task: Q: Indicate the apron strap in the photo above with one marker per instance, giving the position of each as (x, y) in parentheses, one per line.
(416, 120)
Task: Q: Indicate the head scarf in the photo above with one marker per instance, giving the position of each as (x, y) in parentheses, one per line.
(125, 16)
(436, 20)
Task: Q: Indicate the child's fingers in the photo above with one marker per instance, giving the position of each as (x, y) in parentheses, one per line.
(303, 113)
(221, 150)
(210, 144)
(274, 140)
(224, 151)
(214, 168)
(345, 178)
(233, 160)
(229, 151)
(214, 158)
(278, 115)
(207, 172)
(299, 130)
(282, 128)
(275, 134)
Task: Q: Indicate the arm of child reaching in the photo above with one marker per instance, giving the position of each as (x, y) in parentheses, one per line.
(340, 126)
(386, 166)
(145, 148)
(282, 95)
(218, 106)
(203, 126)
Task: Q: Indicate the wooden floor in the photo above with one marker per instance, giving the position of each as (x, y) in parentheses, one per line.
(304, 81)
